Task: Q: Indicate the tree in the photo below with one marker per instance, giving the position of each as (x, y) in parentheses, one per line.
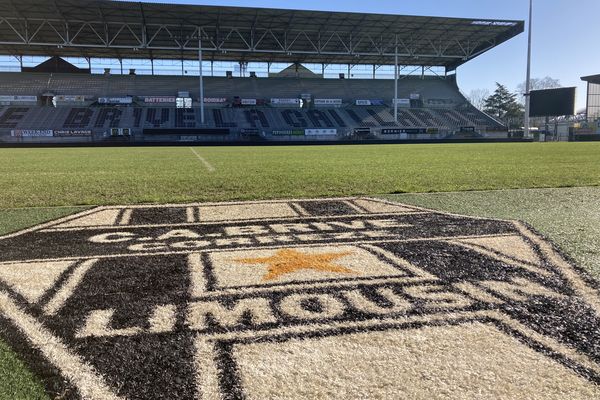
(503, 105)
(538, 84)
(477, 97)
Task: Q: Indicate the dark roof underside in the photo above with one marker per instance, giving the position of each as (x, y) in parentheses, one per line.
(591, 79)
(102, 28)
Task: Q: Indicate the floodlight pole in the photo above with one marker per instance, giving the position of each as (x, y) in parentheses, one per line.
(201, 76)
(527, 127)
(396, 83)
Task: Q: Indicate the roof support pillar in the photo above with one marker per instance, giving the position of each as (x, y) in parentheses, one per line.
(527, 122)
(152, 65)
(396, 84)
(374, 69)
(121, 63)
(201, 77)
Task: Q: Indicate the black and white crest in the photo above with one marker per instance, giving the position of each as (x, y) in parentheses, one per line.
(331, 299)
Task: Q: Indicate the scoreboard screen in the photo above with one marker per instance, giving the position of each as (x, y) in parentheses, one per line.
(552, 102)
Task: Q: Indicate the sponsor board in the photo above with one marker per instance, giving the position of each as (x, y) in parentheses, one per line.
(401, 102)
(328, 102)
(32, 133)
(18, 99)
(215, 100)
(188, 138)
(115, 100)
(415, 96)
(585, 131)
(397, 131)
(183, 102)
(289, 132)
(285, 101)
(362, 131)
(69, 99)
(440, 102)
(160, 99)
(297, 299)
(72, 132)
(248, 102)
(372, 102)
(320, 132)
(250, 131)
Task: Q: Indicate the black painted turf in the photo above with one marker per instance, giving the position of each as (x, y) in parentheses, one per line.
(160, 366)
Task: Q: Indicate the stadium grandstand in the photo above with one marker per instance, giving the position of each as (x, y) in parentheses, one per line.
(59, 102)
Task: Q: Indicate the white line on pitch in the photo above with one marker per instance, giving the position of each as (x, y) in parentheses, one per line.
(209, 167)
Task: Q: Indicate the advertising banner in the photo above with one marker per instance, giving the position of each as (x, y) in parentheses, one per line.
(9, 99)
(328, 102)
(32, 133)
(401, 102)
(398, 131)
(72, 133)
(159, 99)
(69, 98)
(188, 138)
(295, 132)
(320, 132)
(248, 102)
(215, 100)
(285, 101)
(183, 102)
(115, 100)
(372, 102)
(415, 96)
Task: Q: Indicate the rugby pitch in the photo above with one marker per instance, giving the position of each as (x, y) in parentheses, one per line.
(297, 299)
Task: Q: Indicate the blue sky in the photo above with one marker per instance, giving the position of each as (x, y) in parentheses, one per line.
(565, 34)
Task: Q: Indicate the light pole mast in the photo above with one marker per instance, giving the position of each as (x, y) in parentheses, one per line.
(528, 78)
(201, 74)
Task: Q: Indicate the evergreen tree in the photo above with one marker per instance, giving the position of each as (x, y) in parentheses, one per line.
(504, 105)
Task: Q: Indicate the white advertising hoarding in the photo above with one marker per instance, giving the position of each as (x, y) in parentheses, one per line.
(69, 98)
(32, 133)
(215, 100)
(328, 102)
(23, 99)
(320, 132)
(286, 101)
(159, 99)
(370, 102)
(115, 100)
(401, 102)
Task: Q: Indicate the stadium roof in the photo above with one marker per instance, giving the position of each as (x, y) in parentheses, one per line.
(114, 29)
(591, 79)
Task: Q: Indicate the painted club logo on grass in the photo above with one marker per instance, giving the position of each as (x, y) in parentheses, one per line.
(341, 298)
(287, 261)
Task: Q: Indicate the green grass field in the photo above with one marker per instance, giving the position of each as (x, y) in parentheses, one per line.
(94, 176)
(34, 181)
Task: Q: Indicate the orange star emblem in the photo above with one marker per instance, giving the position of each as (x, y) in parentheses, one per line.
(287, 261)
